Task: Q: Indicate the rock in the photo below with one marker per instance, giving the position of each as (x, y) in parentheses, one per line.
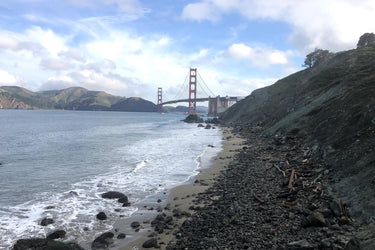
(113, 195)
(176, 213)
(124, 200)
(150, 243)
(300, 245)
(200, 125)
(74, 193)
(103, 241)
(316, 219)
(101, 216)
(45, 244)
(193, 118)
(353, 244)
(121, 236)
(46, 222)
(56, 235)
(335, 207)
(208, 126)
(326, 243)
(135, 224)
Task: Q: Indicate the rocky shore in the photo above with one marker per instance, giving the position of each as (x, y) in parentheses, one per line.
(269, 194)
(261, 192)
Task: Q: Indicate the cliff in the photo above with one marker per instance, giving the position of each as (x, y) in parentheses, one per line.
(330, 108)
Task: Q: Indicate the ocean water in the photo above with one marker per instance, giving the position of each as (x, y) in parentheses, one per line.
(56, 164)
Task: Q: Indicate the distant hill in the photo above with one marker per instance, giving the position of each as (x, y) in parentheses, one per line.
(184, 109)
(331, 107)
(75, 98)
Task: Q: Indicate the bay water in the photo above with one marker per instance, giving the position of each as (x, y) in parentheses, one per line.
(56, 164)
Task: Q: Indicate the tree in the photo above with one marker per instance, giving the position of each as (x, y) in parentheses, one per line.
(315, 57)
(366, 39)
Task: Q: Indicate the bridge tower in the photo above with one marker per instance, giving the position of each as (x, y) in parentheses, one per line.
(193, 91)
(160, 100)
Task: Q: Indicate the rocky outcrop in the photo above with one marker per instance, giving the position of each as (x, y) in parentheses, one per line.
(44, 244)
(193, 118)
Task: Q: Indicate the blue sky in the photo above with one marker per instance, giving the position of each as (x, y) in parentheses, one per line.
(131, 47)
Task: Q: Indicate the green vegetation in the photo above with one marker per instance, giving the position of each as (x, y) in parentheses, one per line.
(75, 98)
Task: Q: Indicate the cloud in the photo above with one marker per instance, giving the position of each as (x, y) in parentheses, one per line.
(55, 64)
(57, 83)
(73, 53)
(100, 66)
(243, 87)
(8, 79)
(334, 25)
(11, 41)
(258, 56)
(200, 11)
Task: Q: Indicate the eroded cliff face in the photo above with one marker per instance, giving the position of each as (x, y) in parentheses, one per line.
(12, 103)
(331, 109)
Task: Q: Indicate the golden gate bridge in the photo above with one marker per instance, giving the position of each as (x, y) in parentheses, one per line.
(216, 104)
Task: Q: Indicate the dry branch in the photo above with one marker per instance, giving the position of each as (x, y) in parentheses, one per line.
(259, 199)
(277, 167)
(291, 179)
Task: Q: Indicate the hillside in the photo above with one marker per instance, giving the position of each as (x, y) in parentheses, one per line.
(330, 109)
(75, 98)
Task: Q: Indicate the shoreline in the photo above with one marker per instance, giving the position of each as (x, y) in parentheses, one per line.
(180, 198)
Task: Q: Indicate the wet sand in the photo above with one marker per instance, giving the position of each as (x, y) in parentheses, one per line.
(181, 197)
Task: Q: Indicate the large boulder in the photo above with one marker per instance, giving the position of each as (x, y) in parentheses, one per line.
(46, 221)
(113, 195)
(193, 118)
(56, 234)
(44, 244)
(101, 216)
(150, 243)
(103, 241)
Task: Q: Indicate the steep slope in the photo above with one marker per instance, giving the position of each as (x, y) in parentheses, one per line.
(74, 98)
(331, 107)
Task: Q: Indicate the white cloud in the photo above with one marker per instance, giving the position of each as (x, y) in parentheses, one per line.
(8, 79)
(56, 64)
(200, 11)
(100, 66)
(73, 53)
(334, 24)
(243, 87)
(258, 56)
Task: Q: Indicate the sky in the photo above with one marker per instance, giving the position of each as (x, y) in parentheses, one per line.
(131, 47)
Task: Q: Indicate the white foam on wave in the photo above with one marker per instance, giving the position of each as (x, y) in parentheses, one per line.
(168, 160)
(139, 166)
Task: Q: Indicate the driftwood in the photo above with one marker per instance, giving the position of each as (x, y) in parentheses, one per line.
(275, 229)
(277, 167)
(290, 204)
(287, 194)
(343, 208)
(313, 182)
(292, 178)
(259, 199)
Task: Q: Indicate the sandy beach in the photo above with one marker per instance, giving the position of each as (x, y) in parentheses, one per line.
(180, 197)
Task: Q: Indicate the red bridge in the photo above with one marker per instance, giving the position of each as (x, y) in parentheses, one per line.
(216, 104)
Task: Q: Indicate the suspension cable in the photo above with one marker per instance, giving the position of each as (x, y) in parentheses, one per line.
(205, 85)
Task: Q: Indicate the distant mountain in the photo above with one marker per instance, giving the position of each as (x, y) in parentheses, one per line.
(184, 109)
(75, 98)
